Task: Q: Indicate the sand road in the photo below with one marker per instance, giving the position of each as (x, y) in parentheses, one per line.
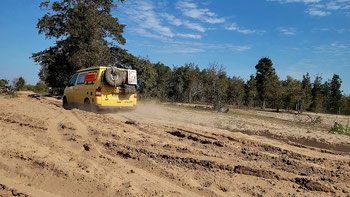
(164, 151)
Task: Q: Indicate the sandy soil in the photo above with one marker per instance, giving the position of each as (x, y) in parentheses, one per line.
(166, 150)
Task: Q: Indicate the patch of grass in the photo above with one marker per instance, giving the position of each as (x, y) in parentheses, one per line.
(340, 129)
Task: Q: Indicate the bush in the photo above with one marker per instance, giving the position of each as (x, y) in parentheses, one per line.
(27, 88)
(19, 83)
(340, 129)
(3, 83)
(40, 87)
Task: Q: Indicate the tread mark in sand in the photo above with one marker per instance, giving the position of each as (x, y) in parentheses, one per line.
(7, 120)
(196, 139)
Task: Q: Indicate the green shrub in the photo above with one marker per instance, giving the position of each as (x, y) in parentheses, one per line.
(3, 82)
(340, 129)
(40, 87)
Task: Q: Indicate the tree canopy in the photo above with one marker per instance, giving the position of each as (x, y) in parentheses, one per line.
(84, 31)
(335, 101)
(266, 80)
(18, 83)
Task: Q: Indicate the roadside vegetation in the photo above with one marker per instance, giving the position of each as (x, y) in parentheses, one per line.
(6, 89)
(19, 84)
(339, 128)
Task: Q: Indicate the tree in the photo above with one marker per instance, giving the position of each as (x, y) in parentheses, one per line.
(18, 83)
(185, 83)
(40, 87)
(307, 92)
(206, 93)
(216, 85)
(292, 93)
(236, 91)
(121, 58)
(251, 92)
(177, 84)
(84, 31)
(275, 93)
(192, 82)
(162, 80)
(266, 81)
(147, 77)
(326, 96)
(335, 94)
(317, 98)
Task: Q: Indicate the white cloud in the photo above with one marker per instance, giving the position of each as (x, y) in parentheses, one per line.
(148, 19)
(180, 50)
(214, 20)
(178, 22)
(145, 33)
(150, 22)
(297, 1)
(241, 48)
(190, 9)
(172, 20)
(287, 31)
(227, 46)
(338, 30)
(334, 48)
(234, 27)
(333, 6)
(193, 36)
(194, 26)
(142, 12)
(321, 8)
(317, 12)
(173, 46)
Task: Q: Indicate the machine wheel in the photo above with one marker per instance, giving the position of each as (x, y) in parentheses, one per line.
(65, 103)
(87, 105)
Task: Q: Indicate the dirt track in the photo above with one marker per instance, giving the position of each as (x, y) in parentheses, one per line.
(165, 150)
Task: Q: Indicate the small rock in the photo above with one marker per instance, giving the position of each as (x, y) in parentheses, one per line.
(130, 122)
(219, 143)
(86, 147)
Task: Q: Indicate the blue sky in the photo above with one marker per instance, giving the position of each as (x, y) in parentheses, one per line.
(298, 35)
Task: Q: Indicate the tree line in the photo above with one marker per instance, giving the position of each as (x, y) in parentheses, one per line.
(19, 84)
(88, 35)
(212, 85)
